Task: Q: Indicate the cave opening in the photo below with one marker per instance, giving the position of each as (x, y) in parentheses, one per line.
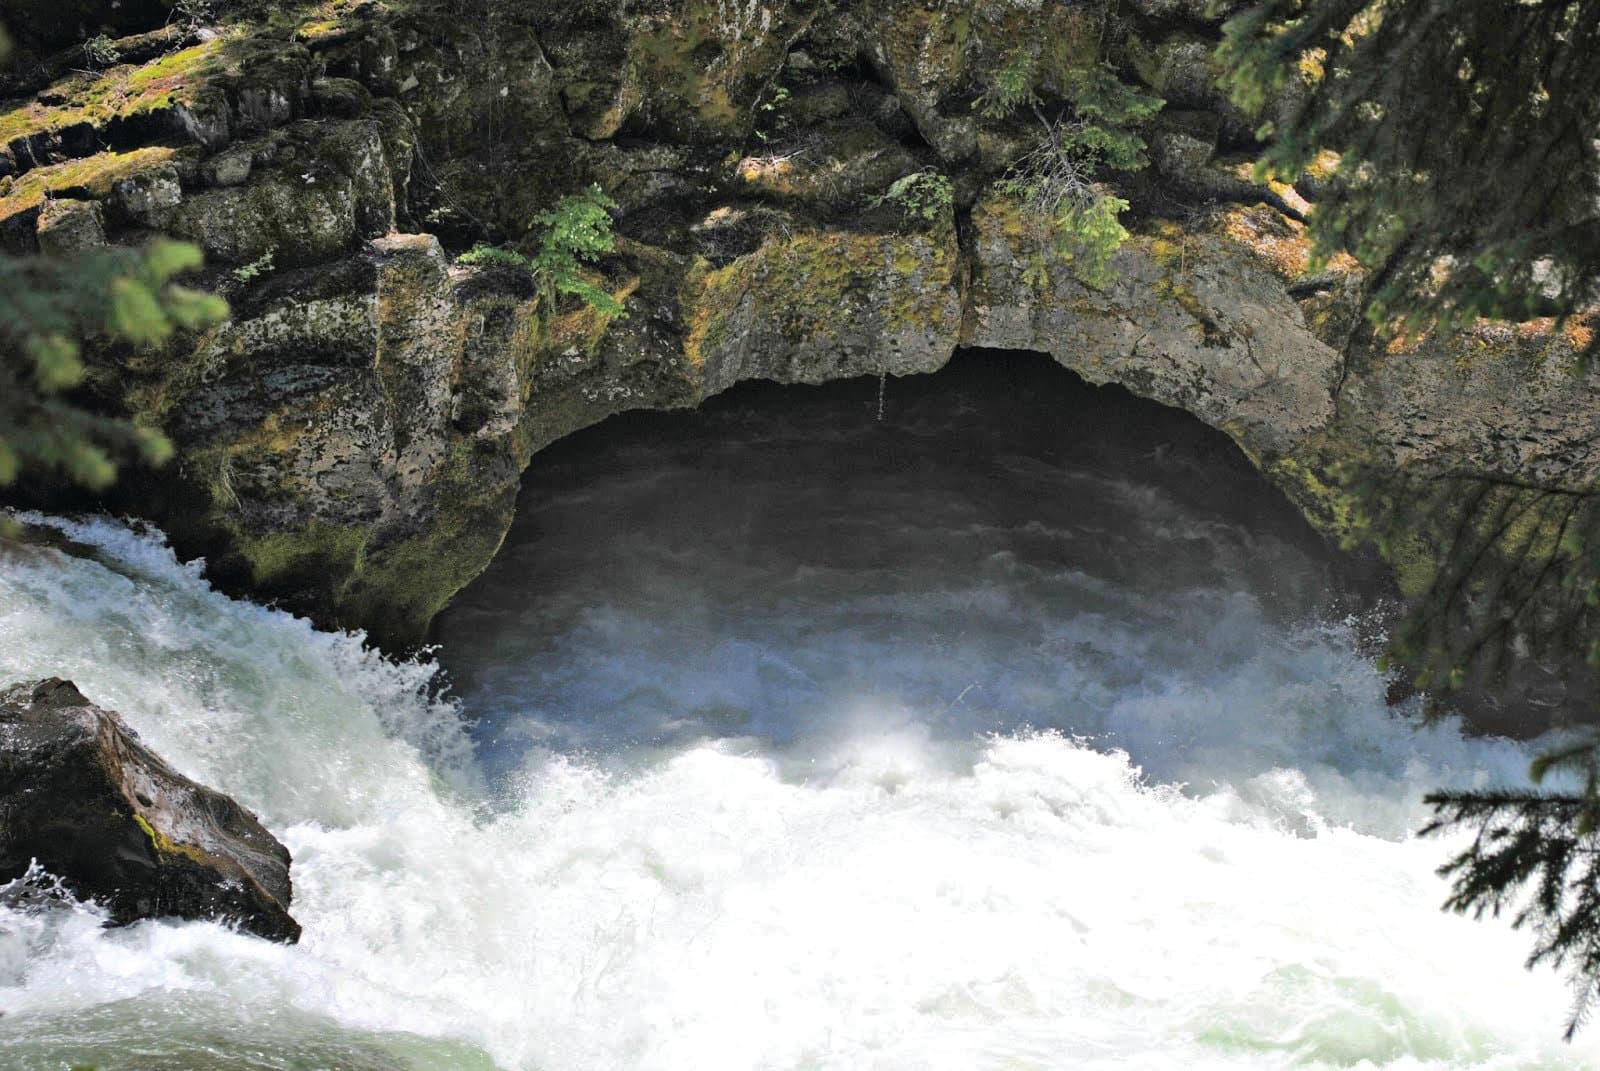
(998, 546)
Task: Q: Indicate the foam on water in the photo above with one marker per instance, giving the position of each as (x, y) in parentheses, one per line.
(893, 900)
(951, 781)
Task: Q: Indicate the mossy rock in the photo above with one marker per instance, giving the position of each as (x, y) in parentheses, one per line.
(95, 101)
(820, 305)
(92, 178)
(694, 75)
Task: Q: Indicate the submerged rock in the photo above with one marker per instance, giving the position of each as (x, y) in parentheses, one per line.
(105, 814)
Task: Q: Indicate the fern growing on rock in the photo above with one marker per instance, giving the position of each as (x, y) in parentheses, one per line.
(577, 232)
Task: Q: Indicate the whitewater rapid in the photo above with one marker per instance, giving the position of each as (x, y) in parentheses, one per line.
(1214, 869)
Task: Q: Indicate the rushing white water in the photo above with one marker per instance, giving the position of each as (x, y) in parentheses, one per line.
(886, 887)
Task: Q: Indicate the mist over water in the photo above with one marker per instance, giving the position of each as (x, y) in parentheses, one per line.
(1016, 731)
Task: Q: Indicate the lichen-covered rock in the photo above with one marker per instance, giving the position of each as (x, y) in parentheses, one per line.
(67, 226)
(825, 305)
(144, 196)
(936, 56)
(319, 421)
(231, 167)
(351, 441)
(23, 199)
(482, 102)
(359, 429)
(1187, 321)
(311, 191)
(920, 50)
(1501, 400)
(695, 69)
(93, 806)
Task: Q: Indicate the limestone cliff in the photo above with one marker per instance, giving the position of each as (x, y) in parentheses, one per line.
(351, 441)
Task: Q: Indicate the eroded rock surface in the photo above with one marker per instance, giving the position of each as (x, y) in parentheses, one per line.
(1190, 321)
(94, 807)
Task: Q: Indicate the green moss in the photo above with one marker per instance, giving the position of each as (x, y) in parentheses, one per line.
(1414, 562)
(584, 327)
(1410, 521)
(117, 93)
(961, 31)
(1072, 41)
(708, 295)
(165, 845)
(688, 64)
(1143, 59)
(797, 286)
(1170, 254)
(1187, 300)
(326, 20)
(1324, 501)
(316, 550)
(89, 178)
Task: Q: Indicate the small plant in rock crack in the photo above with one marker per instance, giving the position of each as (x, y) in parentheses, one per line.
(779, 95)
(923, 196)
(1010, 87)
(1093, 127)
(100, 52)
(249, 273)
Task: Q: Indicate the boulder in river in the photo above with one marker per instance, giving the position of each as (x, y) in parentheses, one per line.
(81, 795)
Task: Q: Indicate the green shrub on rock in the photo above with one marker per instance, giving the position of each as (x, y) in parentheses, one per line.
(922, 196)
(577, 232)
(1092, 127)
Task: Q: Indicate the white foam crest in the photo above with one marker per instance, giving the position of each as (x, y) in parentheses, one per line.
(199, 675)
(880, 895)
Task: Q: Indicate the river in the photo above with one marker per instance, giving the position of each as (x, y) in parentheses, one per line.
(1020, 728)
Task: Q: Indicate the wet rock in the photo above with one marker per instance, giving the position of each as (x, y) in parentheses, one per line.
(84, 798)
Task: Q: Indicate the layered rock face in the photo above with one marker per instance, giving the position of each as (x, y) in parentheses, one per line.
(84, 799)
(352, 440)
